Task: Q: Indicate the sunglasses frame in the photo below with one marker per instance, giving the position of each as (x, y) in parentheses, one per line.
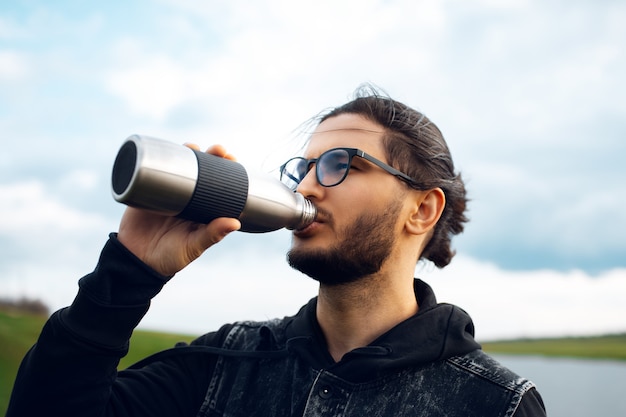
(352, 152)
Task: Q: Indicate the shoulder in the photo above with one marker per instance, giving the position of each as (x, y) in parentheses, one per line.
(248, 335)
(481, 365)
(261, 335)
(524, 398)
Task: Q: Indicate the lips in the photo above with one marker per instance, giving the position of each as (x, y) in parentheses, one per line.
(307, 230)
(310, 229)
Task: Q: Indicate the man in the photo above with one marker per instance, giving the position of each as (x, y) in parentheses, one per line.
(373, 343)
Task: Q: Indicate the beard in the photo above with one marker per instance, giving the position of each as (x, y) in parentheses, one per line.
(361, 252)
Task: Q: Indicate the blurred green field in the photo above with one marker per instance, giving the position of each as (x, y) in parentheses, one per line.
(597, 347)
(19, 331)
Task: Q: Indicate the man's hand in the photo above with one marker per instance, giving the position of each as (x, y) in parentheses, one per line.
(168, 244)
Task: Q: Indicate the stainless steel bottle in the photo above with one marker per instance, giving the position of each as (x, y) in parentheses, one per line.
(175, 180)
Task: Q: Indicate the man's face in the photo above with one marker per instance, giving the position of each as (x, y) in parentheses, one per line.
(358, 219)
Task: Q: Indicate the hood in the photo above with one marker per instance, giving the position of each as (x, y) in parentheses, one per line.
(435, 333)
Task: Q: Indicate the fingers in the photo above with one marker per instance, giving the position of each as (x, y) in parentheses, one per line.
(217, 150)
(193, 146)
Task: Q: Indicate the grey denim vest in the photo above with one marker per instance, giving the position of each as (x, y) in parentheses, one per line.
(284, 385)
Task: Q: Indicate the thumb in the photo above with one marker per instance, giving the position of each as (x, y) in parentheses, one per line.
(217, 230)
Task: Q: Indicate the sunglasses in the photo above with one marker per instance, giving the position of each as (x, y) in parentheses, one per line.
(332, 168)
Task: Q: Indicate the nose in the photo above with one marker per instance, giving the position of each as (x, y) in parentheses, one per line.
(309, 187)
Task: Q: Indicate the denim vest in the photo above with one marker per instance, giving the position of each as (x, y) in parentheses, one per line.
(283, 384)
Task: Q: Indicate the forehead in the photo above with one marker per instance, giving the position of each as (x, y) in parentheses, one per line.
(346, 131)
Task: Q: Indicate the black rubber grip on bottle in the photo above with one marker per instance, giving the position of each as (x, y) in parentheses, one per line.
(221, 190)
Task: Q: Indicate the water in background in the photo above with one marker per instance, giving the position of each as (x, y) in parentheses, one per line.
(574, 387)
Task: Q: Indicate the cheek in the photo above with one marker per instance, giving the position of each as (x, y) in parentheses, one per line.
(351, 199)
(348, 206)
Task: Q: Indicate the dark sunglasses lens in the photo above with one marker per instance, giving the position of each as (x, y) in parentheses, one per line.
(332, 167)
(293, 172)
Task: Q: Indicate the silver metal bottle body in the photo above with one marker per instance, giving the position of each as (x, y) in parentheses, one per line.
(272, 205)
(175, 180)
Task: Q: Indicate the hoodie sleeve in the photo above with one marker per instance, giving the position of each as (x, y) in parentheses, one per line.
(72, 369)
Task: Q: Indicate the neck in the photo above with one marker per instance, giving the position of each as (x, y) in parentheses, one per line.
(354, 315)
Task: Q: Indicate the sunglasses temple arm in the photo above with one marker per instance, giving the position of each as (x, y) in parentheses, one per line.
(291, 177)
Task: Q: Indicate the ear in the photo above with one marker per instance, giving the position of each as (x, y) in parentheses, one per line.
(426, 211)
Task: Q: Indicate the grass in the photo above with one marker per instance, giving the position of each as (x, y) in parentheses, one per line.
(145, 343)
(19, 331)
(597, 347)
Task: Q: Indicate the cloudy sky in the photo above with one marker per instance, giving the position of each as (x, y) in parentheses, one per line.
(529, 95)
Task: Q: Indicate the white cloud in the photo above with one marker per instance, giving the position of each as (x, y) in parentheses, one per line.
(255, 284)
(28, 209)
(268, 51)
(153, 88)
(79, 180)
(508, 304)
(13, 65)
(47, 244)
(45, 236)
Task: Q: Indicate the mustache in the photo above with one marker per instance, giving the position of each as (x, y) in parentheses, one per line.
(323, 216)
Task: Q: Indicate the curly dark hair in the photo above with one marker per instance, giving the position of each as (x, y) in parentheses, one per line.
(415, 146)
